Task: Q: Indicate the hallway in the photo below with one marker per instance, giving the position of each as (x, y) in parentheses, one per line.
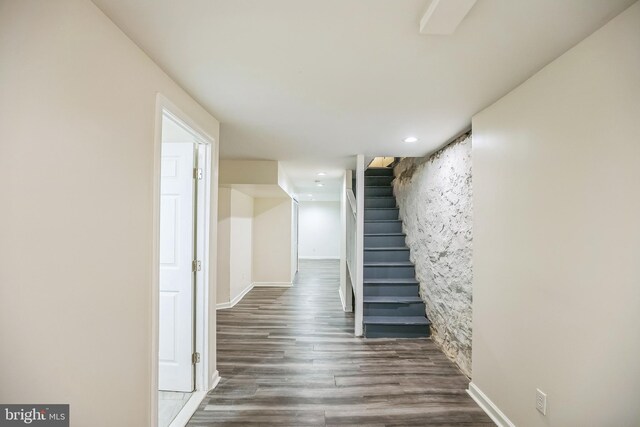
(287, 356)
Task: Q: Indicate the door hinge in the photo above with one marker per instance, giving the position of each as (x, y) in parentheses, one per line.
(196, 265)
(197, 173)
(195, 358)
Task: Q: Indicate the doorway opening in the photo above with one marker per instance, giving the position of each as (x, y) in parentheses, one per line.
(181, 308)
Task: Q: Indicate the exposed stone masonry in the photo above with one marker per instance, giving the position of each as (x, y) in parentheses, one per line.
(435, 199)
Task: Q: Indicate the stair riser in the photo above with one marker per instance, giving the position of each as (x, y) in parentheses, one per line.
(384, 241)
(379, 172)
(394, 309)
(378, 180)
(381, 256)
(375, 202)
(378, 191)
(404, 272)
(396, 331)
(375, 215)
(390, 290)
(383, 227)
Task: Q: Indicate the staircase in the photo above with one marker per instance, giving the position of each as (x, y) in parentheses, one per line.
(392, 304)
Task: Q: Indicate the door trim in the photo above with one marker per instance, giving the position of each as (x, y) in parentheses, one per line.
(206, 377)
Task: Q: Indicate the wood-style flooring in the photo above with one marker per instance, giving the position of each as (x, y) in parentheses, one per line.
(288, 357)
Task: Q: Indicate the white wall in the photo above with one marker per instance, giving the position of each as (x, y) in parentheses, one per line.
(255, 244)
(235, 235)
(557, 237)
(319, 230)
(223, 290)
(272, 241)
(240, 248)
(77, 129)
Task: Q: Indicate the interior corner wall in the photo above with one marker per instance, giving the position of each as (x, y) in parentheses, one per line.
(557, 237)
(435, 199)
(235, 223)
(240, 248)
(224, 245)
(320, 230)
(272, 224)
(77, 132)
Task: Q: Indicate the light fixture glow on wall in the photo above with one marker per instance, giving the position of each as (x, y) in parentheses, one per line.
(321, 174)
(410, 139)
(320, 184)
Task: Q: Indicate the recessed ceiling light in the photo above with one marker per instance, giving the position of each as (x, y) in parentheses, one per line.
(320, 184)
(410, 139)
(321, 174)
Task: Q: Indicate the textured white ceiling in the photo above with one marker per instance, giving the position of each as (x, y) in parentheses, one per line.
(313, 82)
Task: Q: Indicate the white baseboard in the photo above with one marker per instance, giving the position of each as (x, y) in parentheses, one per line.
(272, 284)
(236, 300)
(188, 409)
(319, 257)
(344, 307)
(496, 415)
(193, 403)
(342, 300)
(215, 379)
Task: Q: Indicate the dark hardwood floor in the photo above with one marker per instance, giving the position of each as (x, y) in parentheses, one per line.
(288, 357)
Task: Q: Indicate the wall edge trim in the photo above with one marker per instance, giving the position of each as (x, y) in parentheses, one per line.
(235, 300)
(188, 409)
(490, 408)
(215, 379)
(344, 306)
(193, 403)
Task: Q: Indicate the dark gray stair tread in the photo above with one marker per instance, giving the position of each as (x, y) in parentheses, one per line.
(396, 320)
(382, 209)
(388, 264)
(380, 197)
(400, 280)
(377, 186)
(381, 220)
(388, 248)
(392, 299)
(385, 234)
(378, 169)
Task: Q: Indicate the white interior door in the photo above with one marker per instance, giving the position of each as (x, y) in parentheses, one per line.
(176, 343)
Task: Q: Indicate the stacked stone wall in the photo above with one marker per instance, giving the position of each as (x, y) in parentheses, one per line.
(435, 199)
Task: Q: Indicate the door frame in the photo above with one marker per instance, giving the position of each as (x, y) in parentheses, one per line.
(206, 377)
